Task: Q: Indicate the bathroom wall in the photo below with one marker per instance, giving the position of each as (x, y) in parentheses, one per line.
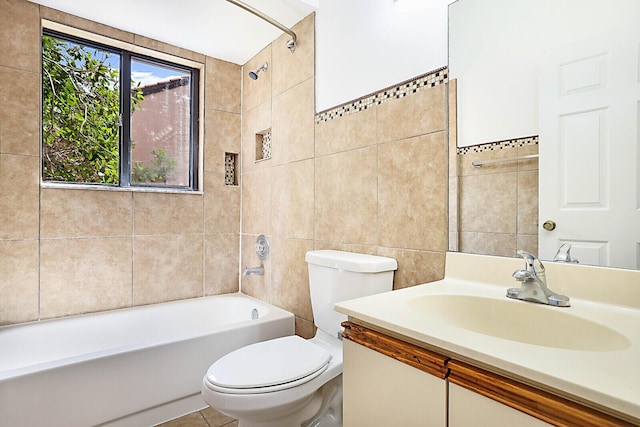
(67, 251)
(498, 202)
(368, 176)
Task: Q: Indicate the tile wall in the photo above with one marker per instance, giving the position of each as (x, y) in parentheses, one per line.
(498, 203)
(69, 251)
(369, 176)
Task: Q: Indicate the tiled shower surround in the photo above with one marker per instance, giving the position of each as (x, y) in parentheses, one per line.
(373, 180)
(367, 176)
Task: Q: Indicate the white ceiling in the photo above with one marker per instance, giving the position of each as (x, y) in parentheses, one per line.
(213, 27)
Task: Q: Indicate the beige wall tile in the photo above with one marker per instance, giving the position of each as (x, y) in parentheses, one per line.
(84, 275)
(254, 121)
(19, 284)
(527, 242)
(290, 276)
(293, 124)
(19, 111)
(346, 197)
(499, 244)
(85, 213)
(223, 85)
(453, 144)
(292, 202)
(85, 24)
(412, 193)
(452, 87)
(221, 204)
(255, 285)
(221, 252)
(222, 135)
(488, 203)
(453, 203)
(19, 188)
(167, 268)
(527, 202)
(416, 114)
(415, 267)
(255, 92)
(256, 202)
(528, 164)
(349, 132)
(361, 249)
(20, 35)
(163, 213)
(290, 69)
(304, 328)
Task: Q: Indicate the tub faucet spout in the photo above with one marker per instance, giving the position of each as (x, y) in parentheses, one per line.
(259, 271)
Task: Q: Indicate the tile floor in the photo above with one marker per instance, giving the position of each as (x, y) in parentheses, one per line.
(205, 418)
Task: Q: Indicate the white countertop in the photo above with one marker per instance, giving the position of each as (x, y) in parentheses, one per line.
(606, 379)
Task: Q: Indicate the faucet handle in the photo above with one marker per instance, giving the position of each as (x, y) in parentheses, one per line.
(564, 254)
(533, 264)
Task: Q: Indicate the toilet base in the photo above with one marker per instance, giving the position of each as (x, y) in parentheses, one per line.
(322, 409)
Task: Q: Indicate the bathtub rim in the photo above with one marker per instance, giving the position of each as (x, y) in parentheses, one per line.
(274, 313)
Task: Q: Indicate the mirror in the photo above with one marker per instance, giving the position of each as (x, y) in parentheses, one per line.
(527, 80)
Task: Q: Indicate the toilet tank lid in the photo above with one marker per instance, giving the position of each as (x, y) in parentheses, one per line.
(351, 261)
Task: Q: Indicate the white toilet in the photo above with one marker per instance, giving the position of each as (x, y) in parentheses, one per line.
(291, 381)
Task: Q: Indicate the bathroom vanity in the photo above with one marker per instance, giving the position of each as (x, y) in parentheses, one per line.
(458, 352)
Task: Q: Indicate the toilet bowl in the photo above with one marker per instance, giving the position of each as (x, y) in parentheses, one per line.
(291, 381)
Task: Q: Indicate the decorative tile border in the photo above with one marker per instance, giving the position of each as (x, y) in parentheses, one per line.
(428, 80)
(498, 145)
(230, 162)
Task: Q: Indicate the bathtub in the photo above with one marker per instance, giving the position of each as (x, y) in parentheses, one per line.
(131, 367)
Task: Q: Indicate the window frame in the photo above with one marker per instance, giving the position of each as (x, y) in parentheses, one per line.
(129, 52)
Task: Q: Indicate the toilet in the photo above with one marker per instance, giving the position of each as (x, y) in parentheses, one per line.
(291, 381)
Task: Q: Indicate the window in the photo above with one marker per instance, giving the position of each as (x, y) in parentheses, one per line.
(116, 118)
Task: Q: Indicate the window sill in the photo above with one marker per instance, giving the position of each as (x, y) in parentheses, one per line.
(99, 187)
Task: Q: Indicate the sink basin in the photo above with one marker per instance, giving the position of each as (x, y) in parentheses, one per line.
(519, 321)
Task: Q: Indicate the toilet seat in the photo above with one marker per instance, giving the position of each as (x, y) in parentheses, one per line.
(268, 366)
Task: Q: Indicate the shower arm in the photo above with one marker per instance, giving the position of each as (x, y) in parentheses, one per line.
(291, 44)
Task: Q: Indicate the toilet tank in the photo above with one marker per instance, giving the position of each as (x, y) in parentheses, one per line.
(336, 276)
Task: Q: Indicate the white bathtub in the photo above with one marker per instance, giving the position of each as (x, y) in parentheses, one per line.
(131, 367)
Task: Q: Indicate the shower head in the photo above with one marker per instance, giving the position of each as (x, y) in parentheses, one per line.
(254, 73)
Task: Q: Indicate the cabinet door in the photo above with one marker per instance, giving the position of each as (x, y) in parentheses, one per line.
(381, 391)
(467, 409)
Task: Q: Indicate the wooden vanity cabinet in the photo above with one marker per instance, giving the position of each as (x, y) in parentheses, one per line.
(499, 401)
(391, 383)
(467, 408)
(388, 381)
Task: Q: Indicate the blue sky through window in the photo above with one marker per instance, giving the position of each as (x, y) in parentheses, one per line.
(147, 73)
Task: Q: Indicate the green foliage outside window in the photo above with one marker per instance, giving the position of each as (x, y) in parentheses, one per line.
(80, 114)
(81, 117)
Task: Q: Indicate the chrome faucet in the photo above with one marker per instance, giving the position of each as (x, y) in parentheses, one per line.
(258, 271)
(534, 284)
(564, 254)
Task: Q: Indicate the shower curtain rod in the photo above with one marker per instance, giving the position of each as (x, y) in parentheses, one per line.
(291, 44)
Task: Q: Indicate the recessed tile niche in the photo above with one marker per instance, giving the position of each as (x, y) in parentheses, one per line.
(263, 145)
(230, 168)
